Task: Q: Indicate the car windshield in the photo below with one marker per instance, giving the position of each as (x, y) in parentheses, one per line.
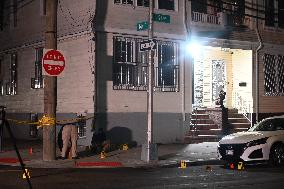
(269, 125)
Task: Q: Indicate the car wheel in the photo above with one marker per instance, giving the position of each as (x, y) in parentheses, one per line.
(276, 156)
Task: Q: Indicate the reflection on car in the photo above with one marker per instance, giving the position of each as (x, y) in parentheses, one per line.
(262, 142)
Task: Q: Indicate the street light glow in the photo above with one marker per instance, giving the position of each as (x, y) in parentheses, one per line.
(194, 49)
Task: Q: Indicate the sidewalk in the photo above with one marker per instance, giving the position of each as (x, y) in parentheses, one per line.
(168, 154)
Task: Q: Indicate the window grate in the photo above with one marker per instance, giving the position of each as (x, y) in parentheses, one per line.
(130, 66)
(273, 75)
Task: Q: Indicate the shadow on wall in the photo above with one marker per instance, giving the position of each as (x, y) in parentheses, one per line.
(121, 135)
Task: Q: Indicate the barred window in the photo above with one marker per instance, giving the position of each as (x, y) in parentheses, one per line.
(273, 74)
(82, 128)
(37, 81)
(11, 86)
(125, 2)
(130, 65)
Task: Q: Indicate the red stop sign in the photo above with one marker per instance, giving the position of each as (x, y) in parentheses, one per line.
(53, 62)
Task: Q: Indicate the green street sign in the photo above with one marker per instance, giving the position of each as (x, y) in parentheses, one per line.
(142, 26)
(162, 18)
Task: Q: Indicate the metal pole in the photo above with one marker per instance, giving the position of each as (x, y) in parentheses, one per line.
(150, 87)
(50, 84)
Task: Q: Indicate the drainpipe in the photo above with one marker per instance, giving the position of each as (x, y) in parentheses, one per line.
(256, 65)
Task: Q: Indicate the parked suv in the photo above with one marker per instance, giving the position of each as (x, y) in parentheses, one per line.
(262, 142)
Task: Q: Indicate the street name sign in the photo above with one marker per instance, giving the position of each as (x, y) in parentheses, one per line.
(162, 18)
(53, 62)
(147, 45)
(142, 26)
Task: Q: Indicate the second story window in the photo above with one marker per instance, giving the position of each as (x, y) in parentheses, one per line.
(1, 15)
(144, 3)
(37, 81)
(124, 2)
(281, 14)
(11, 86)
(166, 4)
(269, 12)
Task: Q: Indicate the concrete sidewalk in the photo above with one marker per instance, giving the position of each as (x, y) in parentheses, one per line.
(168, 154)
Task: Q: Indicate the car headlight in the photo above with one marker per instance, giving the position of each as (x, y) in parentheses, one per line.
(257, 142)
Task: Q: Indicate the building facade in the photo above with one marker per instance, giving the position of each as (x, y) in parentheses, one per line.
(202, 47)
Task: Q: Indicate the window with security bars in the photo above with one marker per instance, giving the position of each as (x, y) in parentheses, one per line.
(82, 128)
(37, 81)
(130, 65)
(11, 86)
(273, 74)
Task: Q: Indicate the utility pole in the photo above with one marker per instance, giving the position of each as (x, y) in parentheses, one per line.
(151, 149)
(50, 84)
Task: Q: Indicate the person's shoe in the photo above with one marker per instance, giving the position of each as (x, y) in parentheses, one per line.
(75, 157)
(62, 158)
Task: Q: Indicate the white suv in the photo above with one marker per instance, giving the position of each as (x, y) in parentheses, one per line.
(264, 141)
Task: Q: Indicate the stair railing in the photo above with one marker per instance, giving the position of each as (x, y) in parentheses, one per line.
(243, 106)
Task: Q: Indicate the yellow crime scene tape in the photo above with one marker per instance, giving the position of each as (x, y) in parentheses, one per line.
(49, 121)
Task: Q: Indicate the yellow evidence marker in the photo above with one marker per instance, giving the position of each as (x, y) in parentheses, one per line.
(182, 164)
(241, 166)
(125, 147)
(28, 174)
(103, 155)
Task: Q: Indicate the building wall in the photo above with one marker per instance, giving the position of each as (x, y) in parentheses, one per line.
(76, 86)
(122, 113)
(269, 104)
(242, 73)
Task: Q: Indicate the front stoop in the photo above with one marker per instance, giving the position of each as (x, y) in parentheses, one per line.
(237, 121)
(202, 129)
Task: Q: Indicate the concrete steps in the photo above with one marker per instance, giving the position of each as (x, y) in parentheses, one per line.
(203, 129)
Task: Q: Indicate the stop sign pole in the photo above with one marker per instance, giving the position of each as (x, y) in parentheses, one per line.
(50, 84)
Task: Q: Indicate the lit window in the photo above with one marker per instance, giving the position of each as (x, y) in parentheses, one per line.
(11, 86)
(37, 81)
(130, 65)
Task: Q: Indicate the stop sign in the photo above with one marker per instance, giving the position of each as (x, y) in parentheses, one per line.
(53, 62)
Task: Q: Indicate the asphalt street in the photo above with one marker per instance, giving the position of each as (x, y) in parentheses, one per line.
(214, 176)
